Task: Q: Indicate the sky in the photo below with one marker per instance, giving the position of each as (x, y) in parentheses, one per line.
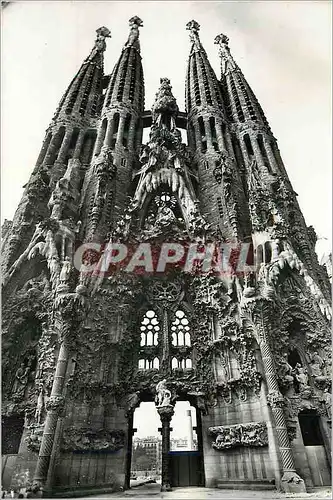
(147, 421)
(283, 48)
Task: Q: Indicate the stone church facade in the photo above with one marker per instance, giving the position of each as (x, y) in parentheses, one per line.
(84, 345)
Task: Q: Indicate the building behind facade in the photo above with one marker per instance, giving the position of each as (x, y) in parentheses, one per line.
(82, 348)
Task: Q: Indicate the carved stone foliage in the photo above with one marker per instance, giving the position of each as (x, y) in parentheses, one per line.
(233, 436)
(34, 437)
(86, 439)
(27, 343)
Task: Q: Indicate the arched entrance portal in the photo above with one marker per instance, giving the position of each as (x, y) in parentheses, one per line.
(165, 449)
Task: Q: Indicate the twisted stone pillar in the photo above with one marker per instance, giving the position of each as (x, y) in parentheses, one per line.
(290, 481)
(67, 310)
(166, 414)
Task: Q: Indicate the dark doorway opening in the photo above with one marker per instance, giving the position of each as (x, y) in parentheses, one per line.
(310, 428)
(186, 453)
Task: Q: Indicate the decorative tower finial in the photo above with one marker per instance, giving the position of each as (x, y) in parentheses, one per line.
(100, 45)
(165, 103)
(133, 38)
(194, 27)
(227, 61)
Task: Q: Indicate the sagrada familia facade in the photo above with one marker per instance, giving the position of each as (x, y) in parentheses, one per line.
(84, 347)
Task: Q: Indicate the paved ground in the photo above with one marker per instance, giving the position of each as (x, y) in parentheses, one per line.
(153, 491)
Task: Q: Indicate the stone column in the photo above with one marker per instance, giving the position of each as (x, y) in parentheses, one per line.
(131, 132)
(64, 146)
(119, 140)
(271, 157)
(208, 133)
(219, 135)
(166, 414)
(290, 481)
(56, 403)
(165, 362)
(256, 150)
(197, 135)
(77, 150)
(109, 132)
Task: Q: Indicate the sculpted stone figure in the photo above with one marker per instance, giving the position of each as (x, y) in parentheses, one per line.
(163, 395)
(41, 403)
(65, 270)
(317, 365)
(21, 380)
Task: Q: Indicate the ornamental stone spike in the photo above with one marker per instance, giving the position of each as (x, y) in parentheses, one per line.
(100, 44)
(194, 27)
(227, 61)
(133, 39)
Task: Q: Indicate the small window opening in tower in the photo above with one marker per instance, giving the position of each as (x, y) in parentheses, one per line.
(88, 146)
(213, 133)
(248, 145)
(72, 144)
(310, 428)
(203, 134)
(58, 138)
(126, 130)
(183, 436)
(191, 135)
(264, 153)
(115, 119)
(146, 449)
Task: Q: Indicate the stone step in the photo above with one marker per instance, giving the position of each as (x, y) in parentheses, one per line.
(243, 484)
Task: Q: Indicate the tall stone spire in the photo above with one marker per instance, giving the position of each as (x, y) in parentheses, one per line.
(70, 136)
(118, 139)
(244, 104)
(209, 138)
(266, 182)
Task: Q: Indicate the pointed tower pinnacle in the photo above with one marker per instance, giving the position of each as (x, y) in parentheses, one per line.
(100, 44)
(194, 27)
(133, 38)
(227, 61)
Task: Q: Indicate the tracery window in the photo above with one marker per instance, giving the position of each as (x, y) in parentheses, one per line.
(149, 329)
(180, 330)
(149, 364)
(183, 364)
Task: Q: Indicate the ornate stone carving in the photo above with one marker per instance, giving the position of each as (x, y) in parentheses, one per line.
(233, 436)
(163, 395)
(86, 439)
